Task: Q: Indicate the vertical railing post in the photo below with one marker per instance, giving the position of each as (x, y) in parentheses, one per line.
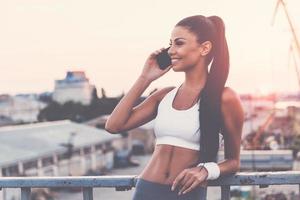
(25, 193)
(87, 193)
(225, 192)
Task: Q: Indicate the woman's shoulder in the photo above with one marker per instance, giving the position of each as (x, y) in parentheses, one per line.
(229, 96)
(232, 111)
(231, 104)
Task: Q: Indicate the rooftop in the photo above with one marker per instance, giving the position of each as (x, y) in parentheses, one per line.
(30, 141)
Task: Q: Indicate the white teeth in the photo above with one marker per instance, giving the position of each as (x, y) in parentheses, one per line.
(174, 61)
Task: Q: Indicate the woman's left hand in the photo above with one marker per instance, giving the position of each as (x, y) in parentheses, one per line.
(189, 179)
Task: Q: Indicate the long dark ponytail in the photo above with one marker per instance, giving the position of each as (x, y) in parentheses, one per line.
(210, 29)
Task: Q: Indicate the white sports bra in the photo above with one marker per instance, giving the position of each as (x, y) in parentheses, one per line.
(177, 127)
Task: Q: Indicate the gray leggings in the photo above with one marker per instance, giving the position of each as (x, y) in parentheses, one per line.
(147, 190)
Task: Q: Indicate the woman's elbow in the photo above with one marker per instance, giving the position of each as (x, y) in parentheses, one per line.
(111, 129)
(236, 166)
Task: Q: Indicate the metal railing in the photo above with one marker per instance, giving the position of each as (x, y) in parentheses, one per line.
(121, 183)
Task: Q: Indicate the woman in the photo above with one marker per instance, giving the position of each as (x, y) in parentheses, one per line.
(189, 117)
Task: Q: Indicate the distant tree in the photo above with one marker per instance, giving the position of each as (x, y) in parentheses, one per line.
(51, 112)
(94, 94)
(78, 112)
(103, 93)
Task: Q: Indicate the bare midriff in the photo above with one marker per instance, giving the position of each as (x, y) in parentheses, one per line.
(167, 162)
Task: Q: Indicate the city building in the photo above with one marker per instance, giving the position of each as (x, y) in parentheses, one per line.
(287, 118)
(20, 108)
(74, 87)
(59, 148)
(54, 149)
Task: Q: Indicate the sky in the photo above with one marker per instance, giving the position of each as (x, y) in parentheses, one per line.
(41, 40)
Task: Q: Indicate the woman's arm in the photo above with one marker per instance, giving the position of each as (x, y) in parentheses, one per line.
(124, 116)
(124, 109)
(233, 119)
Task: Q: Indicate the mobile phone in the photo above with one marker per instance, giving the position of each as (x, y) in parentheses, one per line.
(163, 59)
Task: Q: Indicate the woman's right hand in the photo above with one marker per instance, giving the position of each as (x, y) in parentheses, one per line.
(151, 70)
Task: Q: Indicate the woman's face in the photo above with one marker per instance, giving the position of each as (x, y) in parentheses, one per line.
(185, 51)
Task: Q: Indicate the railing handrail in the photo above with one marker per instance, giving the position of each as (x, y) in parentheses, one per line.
(241, 178)
(127, 182)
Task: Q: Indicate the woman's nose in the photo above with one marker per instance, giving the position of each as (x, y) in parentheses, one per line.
(171, 51)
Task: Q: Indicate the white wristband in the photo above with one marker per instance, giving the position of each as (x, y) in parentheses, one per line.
(212, 169)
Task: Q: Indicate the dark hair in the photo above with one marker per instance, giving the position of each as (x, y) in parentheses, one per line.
(210, 29)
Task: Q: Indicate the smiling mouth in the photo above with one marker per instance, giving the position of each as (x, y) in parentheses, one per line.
(174, 60)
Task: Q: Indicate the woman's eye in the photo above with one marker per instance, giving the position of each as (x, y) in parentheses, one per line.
(177, 43)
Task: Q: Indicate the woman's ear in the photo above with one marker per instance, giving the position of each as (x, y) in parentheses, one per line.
(206, 48)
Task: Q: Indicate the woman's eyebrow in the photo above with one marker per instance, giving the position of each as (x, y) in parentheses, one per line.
(177, 39)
